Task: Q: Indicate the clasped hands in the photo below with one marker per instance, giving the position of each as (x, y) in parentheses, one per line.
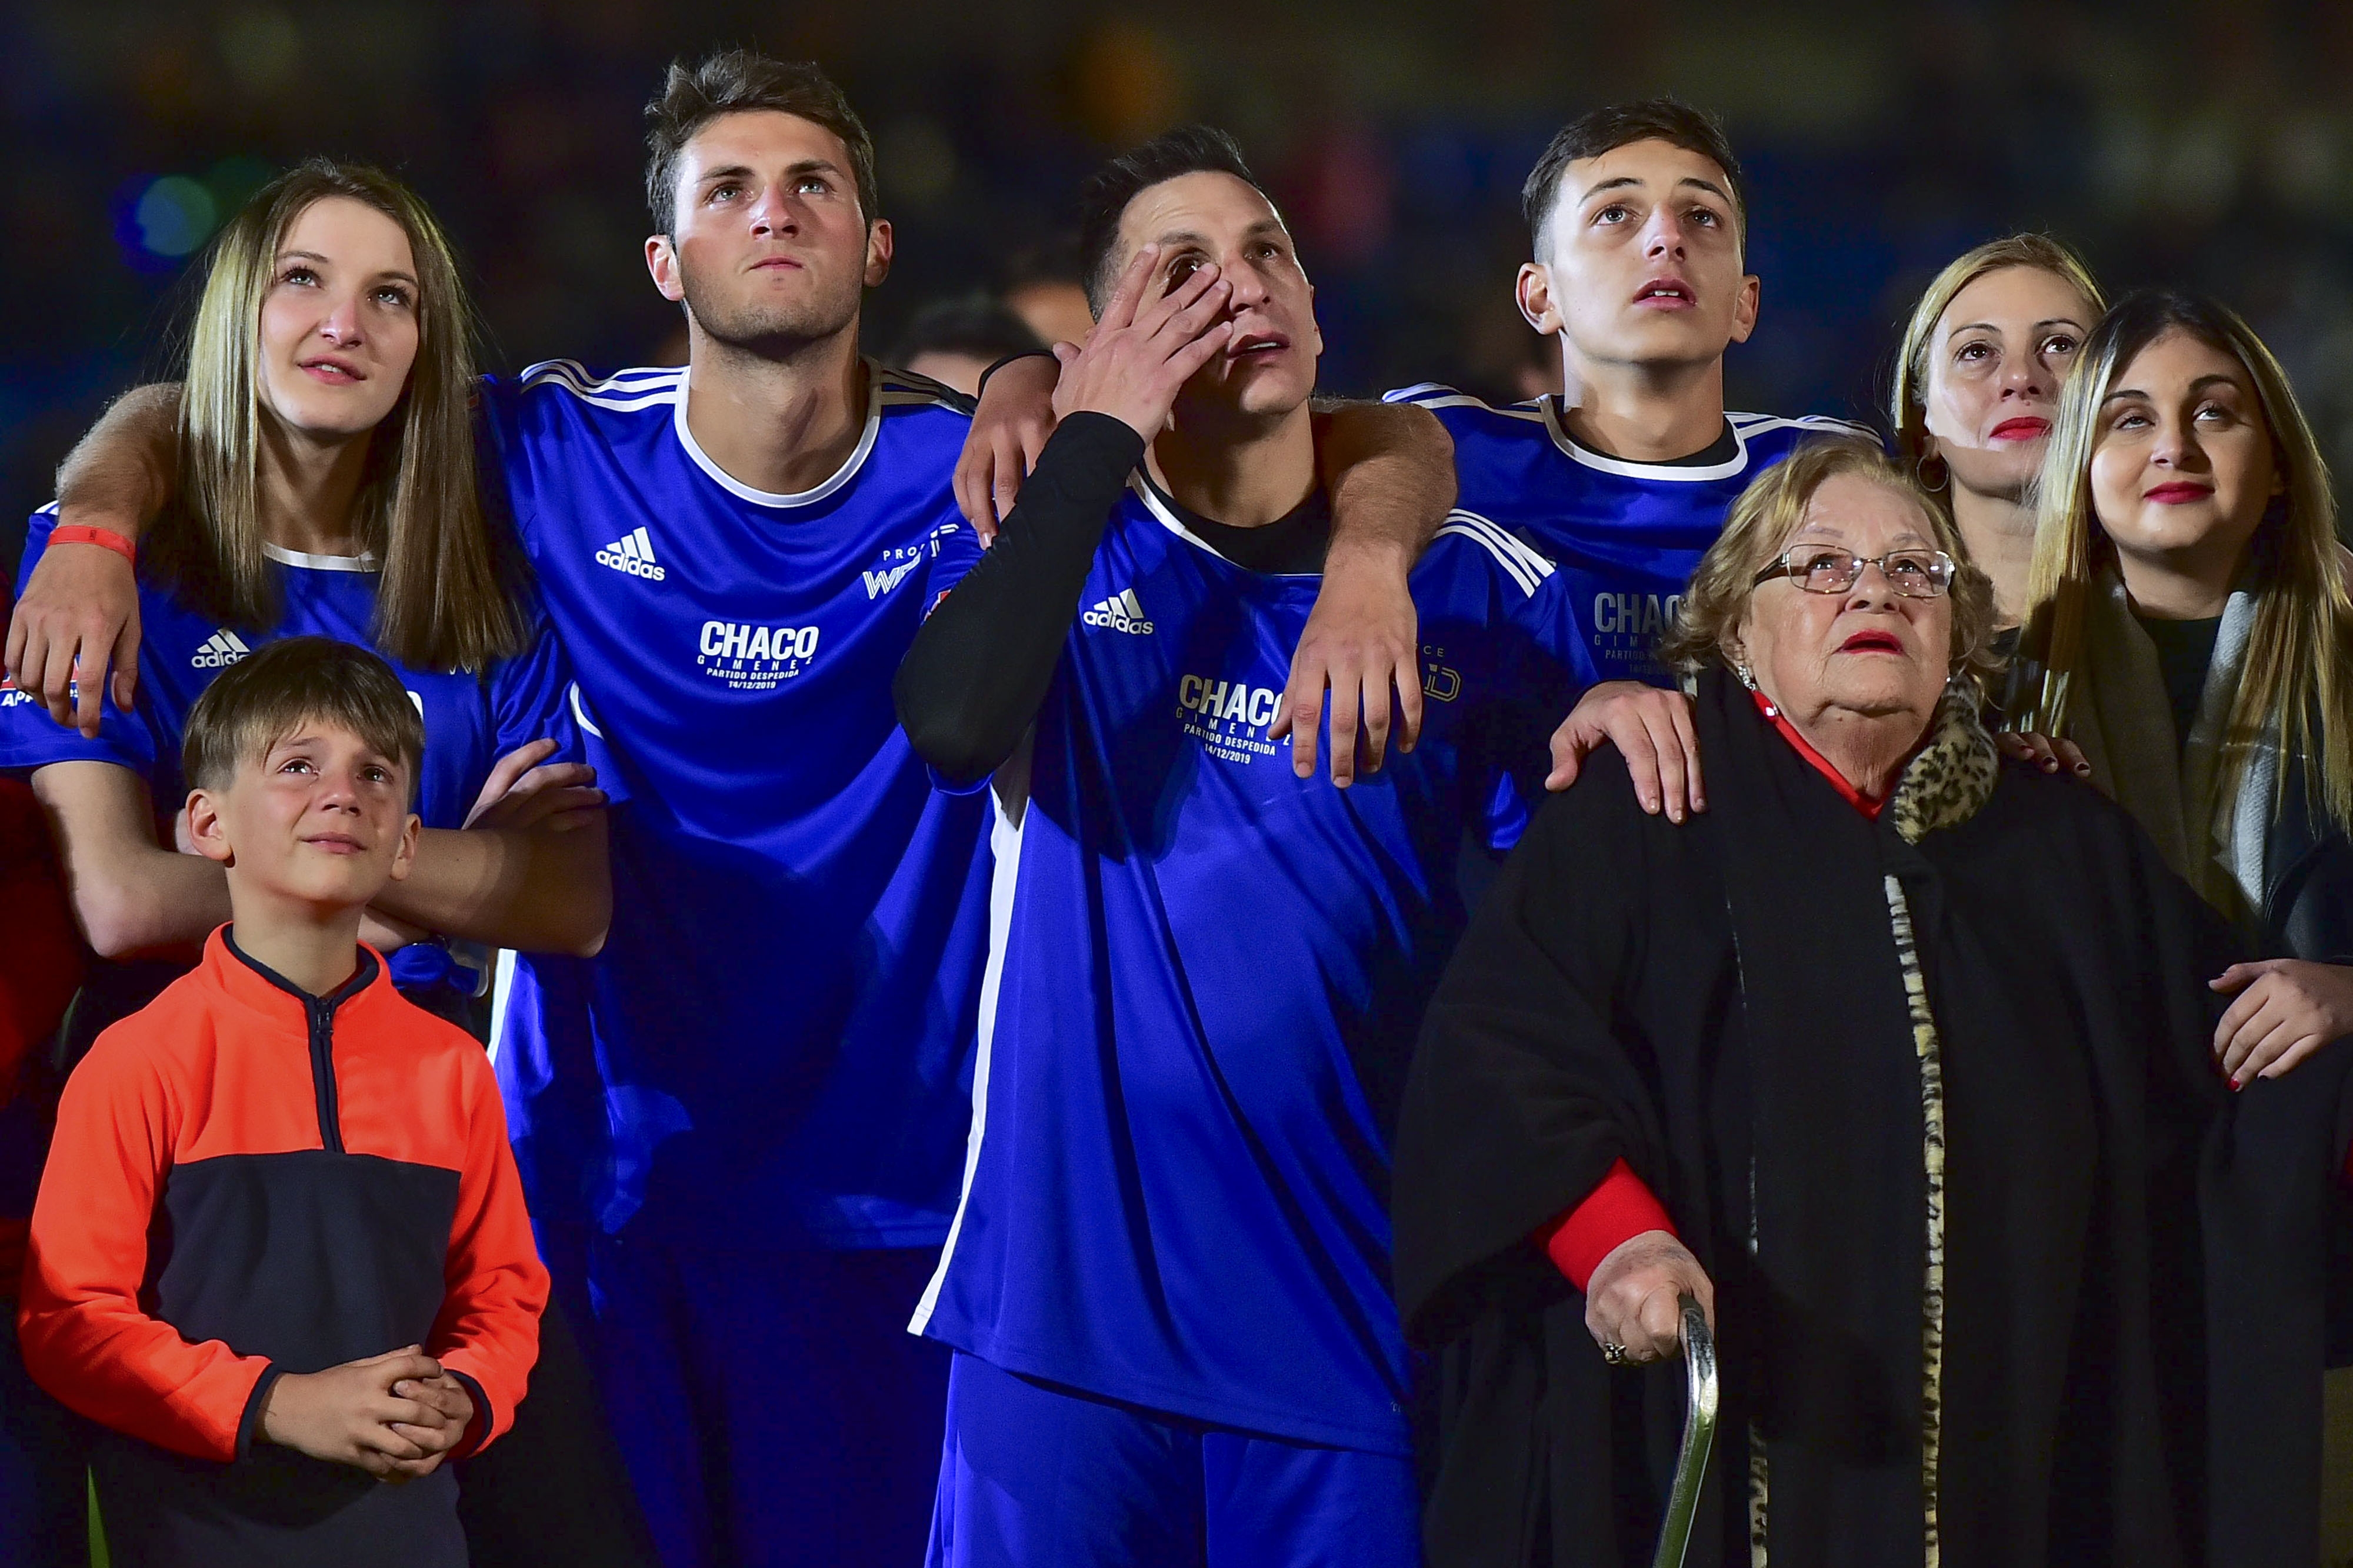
(395, 1415)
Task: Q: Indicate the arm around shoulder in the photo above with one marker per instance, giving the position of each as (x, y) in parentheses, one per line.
(79, 616)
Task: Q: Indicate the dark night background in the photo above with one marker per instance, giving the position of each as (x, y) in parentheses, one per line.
(2209, 144)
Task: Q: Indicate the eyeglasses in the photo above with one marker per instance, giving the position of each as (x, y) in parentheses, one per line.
(1818, 569)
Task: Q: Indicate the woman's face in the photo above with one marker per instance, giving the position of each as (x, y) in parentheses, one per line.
(339, 325)
(2182, 466)
(1996, 362)
(1869, 650)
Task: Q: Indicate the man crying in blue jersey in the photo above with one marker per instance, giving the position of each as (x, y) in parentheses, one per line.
(1167, 1282)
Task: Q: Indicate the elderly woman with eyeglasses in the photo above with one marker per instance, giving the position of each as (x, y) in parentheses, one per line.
(1897, 1061)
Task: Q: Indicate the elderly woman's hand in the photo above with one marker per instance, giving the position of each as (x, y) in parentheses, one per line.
(1634, 1297)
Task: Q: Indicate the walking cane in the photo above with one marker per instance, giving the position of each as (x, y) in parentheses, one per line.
(1699, 1436)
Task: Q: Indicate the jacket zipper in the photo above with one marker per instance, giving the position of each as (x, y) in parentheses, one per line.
(322, 1011)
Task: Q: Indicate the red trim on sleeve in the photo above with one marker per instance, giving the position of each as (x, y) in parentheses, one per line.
(1847, 791)
(1613, 1214)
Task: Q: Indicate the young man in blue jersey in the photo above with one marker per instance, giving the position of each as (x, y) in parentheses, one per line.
(1638, 219)
(1169, 1279)
(741, 1124)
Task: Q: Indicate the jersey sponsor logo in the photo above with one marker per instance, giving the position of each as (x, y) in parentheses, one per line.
(879, 583)
(1625, 632)
(10, 696)
(220, 650)
(633, 552)
(1440, 681)
(1230, 718)
(1123, 612)
(1637, 615)
(751, 658)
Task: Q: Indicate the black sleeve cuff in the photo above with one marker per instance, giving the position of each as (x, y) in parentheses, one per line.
(478, 1430)
(249, 1426)
(1094, 446)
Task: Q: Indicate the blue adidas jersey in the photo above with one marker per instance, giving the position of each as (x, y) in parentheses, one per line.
(1626, 536)
(471, 719)
(1205, 984)
(773, 1048)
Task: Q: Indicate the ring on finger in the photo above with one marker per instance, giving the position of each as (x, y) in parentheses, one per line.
(1616, 1355)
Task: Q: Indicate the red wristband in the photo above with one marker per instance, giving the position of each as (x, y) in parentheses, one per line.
(104, 538)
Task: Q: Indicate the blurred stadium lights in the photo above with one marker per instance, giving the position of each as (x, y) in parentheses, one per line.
(1880, 141)
(160, 221)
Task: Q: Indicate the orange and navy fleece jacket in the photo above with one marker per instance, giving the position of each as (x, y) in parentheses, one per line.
(247, 1180)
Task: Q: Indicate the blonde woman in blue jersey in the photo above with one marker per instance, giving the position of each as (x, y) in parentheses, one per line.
(321, 463)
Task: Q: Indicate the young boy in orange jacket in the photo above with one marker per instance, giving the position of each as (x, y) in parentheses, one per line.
(279, 1251)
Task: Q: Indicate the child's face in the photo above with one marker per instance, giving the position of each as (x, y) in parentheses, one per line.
(320, 818)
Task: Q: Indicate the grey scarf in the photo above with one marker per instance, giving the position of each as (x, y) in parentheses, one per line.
(2117, 712)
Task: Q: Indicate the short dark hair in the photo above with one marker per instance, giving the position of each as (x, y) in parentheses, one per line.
(739, 81)
(1103, 197)
(1615, 125)
(265, 696)
(978, 324)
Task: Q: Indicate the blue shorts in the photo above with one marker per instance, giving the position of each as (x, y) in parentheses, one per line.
(1036, 1477)
(771, 1406)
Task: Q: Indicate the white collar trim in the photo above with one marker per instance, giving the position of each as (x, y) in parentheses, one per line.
(1685, 473)
(841, 476)
(363, 562)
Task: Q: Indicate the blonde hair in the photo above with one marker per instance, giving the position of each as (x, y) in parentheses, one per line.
(444, 599)
(1760, 523)
(2299, 667)
(1907, 399)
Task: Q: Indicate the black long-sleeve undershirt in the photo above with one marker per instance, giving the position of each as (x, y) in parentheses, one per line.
(980, 666)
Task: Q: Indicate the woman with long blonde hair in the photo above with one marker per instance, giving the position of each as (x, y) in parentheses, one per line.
(326, 486)
(2190, 630)
(1976, 388)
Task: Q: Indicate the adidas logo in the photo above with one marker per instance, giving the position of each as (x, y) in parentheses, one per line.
(1123, 612)
(633, 552)
(221, 649)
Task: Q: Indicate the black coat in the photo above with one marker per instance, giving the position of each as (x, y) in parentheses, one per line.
(2128, 1254)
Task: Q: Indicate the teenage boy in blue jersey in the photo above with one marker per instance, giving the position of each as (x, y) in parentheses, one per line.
(1638, 219)
(1169, 1279)
(742, 1125)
